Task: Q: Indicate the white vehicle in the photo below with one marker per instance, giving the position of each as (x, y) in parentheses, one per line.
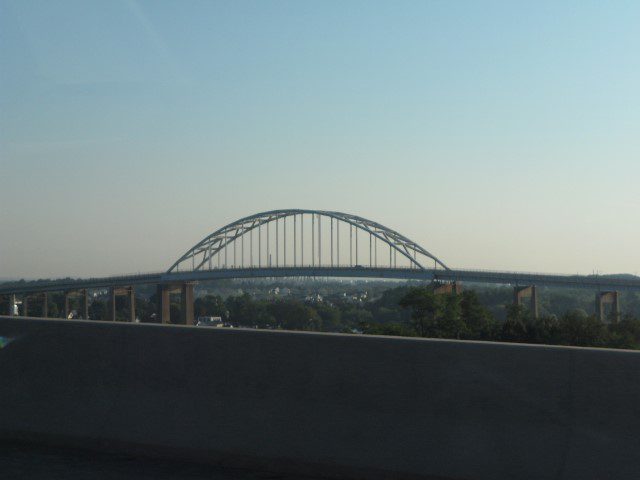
(209, 322)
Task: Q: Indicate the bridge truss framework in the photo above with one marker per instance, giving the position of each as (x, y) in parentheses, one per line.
(296, 238)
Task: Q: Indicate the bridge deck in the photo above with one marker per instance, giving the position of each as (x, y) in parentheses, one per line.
(594, 282)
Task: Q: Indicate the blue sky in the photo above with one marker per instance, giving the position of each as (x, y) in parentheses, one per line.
(501, 135)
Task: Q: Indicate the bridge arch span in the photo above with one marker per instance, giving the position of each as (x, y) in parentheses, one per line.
(297, 238)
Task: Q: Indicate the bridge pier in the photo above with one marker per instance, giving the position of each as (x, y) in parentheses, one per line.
(132, 304)
(67, 309)
(608, 298)
(45, 304)
(520, 293)
(186, 302)
(113, 292)
(186, 312)
(12, 304)
(85, 304)
(163, 303)
(448, 288)
(111, 305)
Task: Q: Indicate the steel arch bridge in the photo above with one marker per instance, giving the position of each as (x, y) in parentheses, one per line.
(297, 238)
(304, 243)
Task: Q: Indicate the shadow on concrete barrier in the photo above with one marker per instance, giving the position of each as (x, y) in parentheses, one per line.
(344, 406)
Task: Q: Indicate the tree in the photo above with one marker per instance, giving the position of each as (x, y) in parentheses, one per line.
(425, 308)
(480, 324)
(210, 305)
(98, 310)
(356, 317)
(546, 329)
(432, 315)
(514, 328)
(451, 324)
(295, 315)
(578, 328)
(331, 318)
(392, 329)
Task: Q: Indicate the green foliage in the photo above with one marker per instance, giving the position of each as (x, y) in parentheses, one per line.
(480, 324)
(210, 305)
(295, 315)
(578, 328)
(424, 307)
(98, 310)
(392, 329)
(355, 318)
(514, 329)
(330, 317)
(432, 315)
(625, 334)
(406, 310)
(463, 316)
(546, 329)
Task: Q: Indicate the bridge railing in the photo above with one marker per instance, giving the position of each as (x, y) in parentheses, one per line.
(71, 281)
(305, 266)
(469, 275)
(525, 272)
(577, 278)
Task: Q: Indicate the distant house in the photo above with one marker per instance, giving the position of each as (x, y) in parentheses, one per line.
(314, 298)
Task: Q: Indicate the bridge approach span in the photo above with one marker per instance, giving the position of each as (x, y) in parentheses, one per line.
(593, 282)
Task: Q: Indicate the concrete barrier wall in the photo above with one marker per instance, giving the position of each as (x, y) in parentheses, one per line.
(352, 406)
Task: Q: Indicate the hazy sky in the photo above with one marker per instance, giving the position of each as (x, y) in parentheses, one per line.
(498, 135)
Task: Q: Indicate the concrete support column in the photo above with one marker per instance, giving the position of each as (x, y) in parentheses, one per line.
(448, 288)
(66, 304)
(85, 304)
(25, 306)
(608, 298)
(111, 304)
(12, 304)
(187, 304)
(163, 304)
(519, 293)
(132, 304)
(534, 301)
(45, 304)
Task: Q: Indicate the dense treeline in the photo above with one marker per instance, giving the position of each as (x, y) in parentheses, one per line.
(464, 317)
(405, 310)
(417, 311)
